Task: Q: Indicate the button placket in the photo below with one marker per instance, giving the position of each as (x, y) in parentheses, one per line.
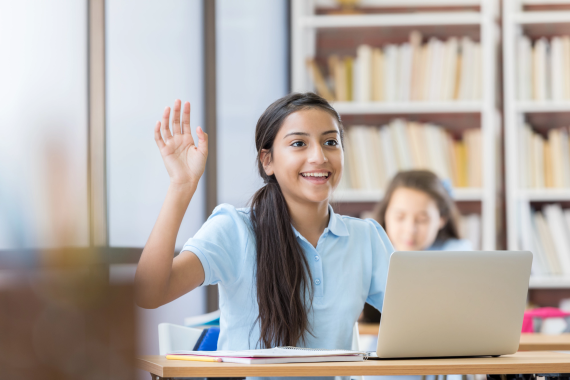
(318, 279)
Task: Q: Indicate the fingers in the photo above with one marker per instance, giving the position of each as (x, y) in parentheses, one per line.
(176, 118)
(186, 119)
(158, 136)
(202, 141)
(164, 127)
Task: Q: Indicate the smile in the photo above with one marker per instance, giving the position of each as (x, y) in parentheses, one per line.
(319, 175)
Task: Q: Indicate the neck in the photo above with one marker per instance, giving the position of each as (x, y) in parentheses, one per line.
(310, 219)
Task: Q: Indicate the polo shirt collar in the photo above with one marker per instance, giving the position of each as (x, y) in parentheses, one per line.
(336, 225)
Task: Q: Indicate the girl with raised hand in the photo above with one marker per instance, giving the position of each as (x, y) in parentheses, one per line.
(290, 271)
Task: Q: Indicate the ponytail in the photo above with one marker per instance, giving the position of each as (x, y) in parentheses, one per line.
(283, 276)
(282, 271)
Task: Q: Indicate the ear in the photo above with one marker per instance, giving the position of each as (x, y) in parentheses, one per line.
(442, 222)
(265, 159)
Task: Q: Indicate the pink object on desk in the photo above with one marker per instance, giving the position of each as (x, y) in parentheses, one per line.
(542, 313)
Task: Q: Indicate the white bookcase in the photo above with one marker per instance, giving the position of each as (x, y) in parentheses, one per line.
(480, 15)
(521, 17)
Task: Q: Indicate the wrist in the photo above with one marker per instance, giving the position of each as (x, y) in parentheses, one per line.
(188, 187)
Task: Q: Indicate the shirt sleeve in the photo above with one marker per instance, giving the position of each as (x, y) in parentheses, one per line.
(381, 250)
(221, 245)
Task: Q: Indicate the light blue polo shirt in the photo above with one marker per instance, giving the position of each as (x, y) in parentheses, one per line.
(349, 267)
(451, 245)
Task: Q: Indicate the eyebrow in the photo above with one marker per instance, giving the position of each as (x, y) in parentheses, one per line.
(306, 134)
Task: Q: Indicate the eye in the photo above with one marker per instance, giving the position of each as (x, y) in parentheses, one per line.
(400, 217)
(331, 142)
(298, 143)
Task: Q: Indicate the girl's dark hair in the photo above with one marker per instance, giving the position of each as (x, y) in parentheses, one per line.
(283, 276)
(429, 183)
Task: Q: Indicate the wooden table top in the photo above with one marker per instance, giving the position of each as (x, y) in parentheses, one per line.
(529, 342)
(542, 342)
(521, 362)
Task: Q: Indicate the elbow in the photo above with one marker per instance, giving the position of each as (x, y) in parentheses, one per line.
(146, 303)
(147, 306)
(145, 299)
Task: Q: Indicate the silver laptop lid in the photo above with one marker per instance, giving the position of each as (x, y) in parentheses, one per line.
(449, 303)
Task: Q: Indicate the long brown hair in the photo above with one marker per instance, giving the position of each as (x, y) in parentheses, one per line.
(283, 276)
(429, 183)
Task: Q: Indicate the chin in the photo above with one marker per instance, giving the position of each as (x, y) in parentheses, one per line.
(317, 197)
(407, 248)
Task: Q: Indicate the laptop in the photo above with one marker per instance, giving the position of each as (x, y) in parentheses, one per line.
(452, 304)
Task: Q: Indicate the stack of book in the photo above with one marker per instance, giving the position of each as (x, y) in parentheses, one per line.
(374, 155)
(544, 162)
(546, 234)
(433, 71)
(543, 70)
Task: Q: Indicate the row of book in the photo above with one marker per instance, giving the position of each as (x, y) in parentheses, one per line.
(543, 68)
(374, 155)
(546, 233)
(544, 162)
(434, 71)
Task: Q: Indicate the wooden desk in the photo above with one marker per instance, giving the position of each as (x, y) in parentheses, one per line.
(529, 342)
(519, 363)
(541, 342)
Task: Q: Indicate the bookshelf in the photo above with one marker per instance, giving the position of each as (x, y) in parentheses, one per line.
(317, 31)
(525, 23)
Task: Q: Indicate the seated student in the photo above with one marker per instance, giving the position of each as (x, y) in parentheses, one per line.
(418, 213)
(290, 271)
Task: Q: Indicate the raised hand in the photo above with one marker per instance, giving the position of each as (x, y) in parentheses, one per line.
(184, 161)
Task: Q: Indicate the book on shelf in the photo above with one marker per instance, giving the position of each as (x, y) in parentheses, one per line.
(434, 71)
(546, 233)
(544, 161)
(373, 155)
(543, 68)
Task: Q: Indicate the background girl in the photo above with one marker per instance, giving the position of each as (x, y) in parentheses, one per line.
(419, 214)
(290, 271)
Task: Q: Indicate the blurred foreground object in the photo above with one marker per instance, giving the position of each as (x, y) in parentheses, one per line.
(65, 320)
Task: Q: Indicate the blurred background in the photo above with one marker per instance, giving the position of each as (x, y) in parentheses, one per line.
(477, 91)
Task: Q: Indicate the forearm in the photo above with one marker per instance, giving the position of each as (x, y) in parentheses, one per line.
(155, 265)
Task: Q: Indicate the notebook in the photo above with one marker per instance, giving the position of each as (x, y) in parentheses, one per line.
(278, 355)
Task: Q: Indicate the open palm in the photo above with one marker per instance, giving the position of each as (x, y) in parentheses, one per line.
(184, 161)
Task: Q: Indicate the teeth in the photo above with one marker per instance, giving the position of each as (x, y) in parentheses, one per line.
(315, 174)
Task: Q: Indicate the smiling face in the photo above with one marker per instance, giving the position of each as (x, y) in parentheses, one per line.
(306, 158)
(412, 220)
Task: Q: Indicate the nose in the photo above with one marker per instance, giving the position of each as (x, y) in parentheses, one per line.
(410, 227)
(317, 156)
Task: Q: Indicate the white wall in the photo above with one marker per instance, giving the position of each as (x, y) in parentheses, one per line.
(43, 123)
(251, 73)
(154, 55)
